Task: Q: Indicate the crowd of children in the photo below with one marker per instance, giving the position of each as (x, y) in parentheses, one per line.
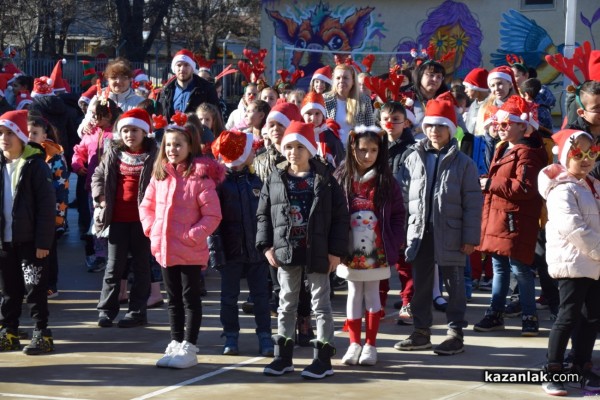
(361, 174)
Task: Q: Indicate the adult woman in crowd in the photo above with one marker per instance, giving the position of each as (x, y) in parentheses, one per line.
(344, 103)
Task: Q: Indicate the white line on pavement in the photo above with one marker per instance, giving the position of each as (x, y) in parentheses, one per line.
(198, 378)
(32, 396)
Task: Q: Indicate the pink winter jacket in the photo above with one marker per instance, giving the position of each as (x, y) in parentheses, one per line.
(178, 213)
(86, 152)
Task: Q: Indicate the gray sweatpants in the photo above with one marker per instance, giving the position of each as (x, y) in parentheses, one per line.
(290, 279)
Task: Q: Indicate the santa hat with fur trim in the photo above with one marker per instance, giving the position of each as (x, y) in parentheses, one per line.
(503, 72)
(232, 147)
(564, 141)
(23, 99)
(13, 71)
(440, 112)
(323, 73)
(284, 113)
(313, 101)
(186, 56)
(58, 83)
(477, 80)
(303, 133)
(516, 109)
(139, 75)
(16, 121)
(137, 117)
(87, 96)
(42, 87)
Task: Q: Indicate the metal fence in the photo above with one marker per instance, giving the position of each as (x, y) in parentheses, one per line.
(158, 72)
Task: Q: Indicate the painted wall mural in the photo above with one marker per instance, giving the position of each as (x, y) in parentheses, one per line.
(343, 28)
(449, 26)
(524, 37)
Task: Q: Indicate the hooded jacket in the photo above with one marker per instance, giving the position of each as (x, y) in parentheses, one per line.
(179, 213)
(512, 204)
(573, 228)
(455, 207)
(34, 199)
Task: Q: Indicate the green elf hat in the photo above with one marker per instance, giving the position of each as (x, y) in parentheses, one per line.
(89, 73)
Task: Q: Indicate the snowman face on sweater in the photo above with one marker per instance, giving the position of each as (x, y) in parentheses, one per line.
(296, 215)
(363, 225)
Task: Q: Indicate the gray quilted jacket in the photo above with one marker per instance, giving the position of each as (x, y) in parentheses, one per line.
(457, 203)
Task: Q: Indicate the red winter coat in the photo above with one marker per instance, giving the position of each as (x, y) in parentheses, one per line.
(512, 203)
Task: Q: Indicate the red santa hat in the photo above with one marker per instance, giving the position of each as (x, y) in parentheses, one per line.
(303, 133)
(232, 147)
(477, 80)
(139, 75)
(3, 85)
(517, 109)
(313, 101)
(12, 70)
(186, 56)
(88, 95)
(503, 72)
(564, 141)
(137, 117)
(440, 112)
(23, 99)
(58, 83)
(42, 87)
(323, 73)
(284, 113)
(16, 121)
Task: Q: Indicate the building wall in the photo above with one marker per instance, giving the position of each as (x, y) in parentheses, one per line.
(481, 31)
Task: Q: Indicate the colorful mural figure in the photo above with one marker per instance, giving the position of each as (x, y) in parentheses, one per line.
(449, 26)
(320, 28)
(589, 22)
(524, 37)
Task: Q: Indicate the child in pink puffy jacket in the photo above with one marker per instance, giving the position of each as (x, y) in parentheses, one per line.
(180, 209)
(86, 157)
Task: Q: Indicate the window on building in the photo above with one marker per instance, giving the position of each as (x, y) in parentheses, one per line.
(537, 4)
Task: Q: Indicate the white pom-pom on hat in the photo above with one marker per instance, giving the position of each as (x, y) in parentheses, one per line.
(555, 150)
(64, 61)
(49, 81)
(409, 102)
(524, 116)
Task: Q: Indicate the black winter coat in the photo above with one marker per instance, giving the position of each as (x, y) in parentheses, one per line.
(239, 195)
(53, 108)
(397, 149)
(34, 204)
(328, 221)
(203, 92)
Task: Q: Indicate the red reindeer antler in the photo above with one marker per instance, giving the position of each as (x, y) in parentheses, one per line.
(296, 75)
(368, 62)
(580, 59)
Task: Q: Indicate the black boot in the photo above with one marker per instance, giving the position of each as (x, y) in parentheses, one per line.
(321, 365)
(284, 352)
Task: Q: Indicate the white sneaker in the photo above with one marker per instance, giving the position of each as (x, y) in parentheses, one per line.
(171, 350)
(352, 355)
(185, 356)
(368, 355)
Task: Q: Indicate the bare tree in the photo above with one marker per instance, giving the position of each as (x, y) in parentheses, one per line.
(212, 19)
(131, 15)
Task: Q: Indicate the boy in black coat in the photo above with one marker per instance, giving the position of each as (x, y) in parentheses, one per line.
(303, 226)
(28, 204)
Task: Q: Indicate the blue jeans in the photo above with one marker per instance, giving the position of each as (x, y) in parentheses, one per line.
(502, 266)
(256, 275)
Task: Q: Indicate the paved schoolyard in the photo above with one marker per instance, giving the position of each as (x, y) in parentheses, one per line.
(112, 363)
